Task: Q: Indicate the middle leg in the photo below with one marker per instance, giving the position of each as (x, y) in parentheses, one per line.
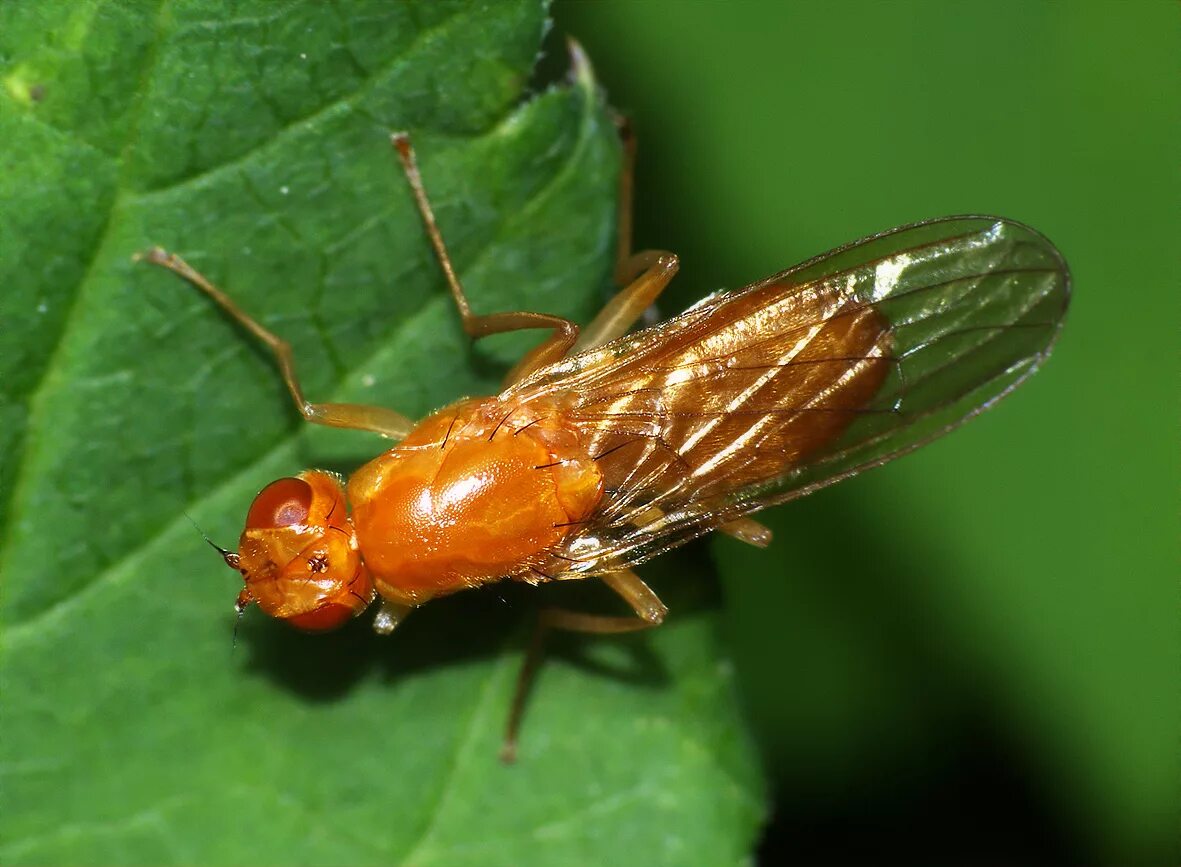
(641, 277)
(553, 348)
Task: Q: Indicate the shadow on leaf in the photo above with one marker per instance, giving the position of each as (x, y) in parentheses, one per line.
(469, 627)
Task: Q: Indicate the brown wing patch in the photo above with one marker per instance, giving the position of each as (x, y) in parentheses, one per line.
(766, 378)
(728, 396)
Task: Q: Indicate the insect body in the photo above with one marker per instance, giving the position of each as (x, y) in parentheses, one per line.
(607, 448)
(479, 491)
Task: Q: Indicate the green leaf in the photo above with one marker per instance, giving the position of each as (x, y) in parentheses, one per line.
(253, 139)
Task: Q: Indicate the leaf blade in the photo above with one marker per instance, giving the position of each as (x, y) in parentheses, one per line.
(131, 733)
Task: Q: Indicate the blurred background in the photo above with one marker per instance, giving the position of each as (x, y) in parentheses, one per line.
(971, 655)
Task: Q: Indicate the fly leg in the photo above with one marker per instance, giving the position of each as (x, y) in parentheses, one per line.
(565, 332)
(358, 416)
(748, 530)
(389, 615)
(649, 612)
(641, 276)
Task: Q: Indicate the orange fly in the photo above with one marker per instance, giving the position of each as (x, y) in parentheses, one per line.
(608, 448)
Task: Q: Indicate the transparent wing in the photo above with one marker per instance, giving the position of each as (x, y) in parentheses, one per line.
(839, 364)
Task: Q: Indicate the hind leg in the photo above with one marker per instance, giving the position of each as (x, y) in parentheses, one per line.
(649, 612)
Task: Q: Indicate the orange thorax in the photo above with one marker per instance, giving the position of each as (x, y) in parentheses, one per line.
(481, 490)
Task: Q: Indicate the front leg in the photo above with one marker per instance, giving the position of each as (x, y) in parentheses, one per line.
(357, 416)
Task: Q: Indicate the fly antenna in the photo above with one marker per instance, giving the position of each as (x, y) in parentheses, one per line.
(231, 557)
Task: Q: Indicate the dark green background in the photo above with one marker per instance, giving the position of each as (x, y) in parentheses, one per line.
(977, 646)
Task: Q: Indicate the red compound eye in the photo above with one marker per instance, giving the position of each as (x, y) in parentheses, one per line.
(282, 503)
(327, 617)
